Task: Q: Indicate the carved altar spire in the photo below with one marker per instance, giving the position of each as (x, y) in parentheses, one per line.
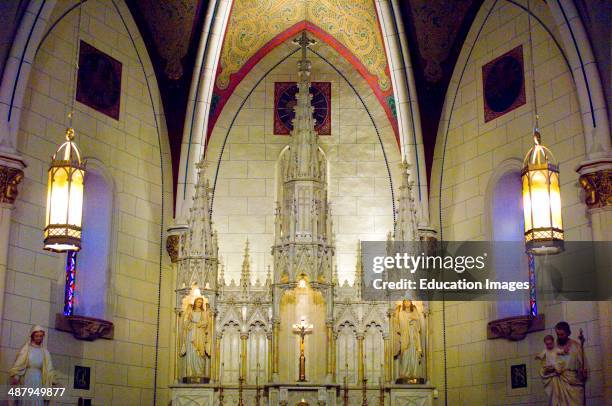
(358, 272)
(335, 279)
(406, 226)
(245, 273)
(198, 251)
(221, 282)
(268, 277)
(303, 243)
(304, 160)
(203, 240)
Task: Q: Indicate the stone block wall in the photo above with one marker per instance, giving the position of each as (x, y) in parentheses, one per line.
(129, 150)
(479, 369)
(246, 188)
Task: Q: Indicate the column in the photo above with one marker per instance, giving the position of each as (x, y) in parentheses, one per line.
(217, 375)
(212, 371)
(330, 350)
(11, 174)
(596, 180)
(387, 357)
(177, 350)
(334, 353)
(243, 356)
(389, 347)
(269, 336)
(360, 338)
(275, 330)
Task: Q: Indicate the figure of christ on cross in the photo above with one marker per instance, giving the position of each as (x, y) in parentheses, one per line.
(302, 328)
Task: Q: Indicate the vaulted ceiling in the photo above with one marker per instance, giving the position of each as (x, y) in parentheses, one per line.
(172, 29)
(436, 31)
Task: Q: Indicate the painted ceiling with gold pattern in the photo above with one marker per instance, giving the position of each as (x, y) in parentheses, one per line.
(257, 26)
(172, 31)
(254, 23)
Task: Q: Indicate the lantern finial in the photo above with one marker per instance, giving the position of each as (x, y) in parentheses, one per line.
(537, 138)
(69, 134)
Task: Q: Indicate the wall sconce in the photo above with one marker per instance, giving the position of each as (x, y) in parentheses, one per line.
(541, 201)
(65, 187)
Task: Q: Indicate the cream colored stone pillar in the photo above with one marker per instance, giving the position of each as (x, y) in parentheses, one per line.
(330, 348)
(360, 338)
(269, 336)
(177, 349)
(11, 173)
(596, 180)
(200, 100)
(387, 357)
(389, 348)
(217, 363)
(275, 330)
(334, 349)
(243, 355)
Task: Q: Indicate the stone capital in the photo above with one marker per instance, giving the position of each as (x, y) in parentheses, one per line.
(596, 180)
(11, 174)
(427, 234)
(172, 247)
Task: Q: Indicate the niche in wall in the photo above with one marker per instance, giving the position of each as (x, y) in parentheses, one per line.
(503, 82)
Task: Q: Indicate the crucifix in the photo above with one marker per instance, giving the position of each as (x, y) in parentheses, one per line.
(304, 42)
(302, 328)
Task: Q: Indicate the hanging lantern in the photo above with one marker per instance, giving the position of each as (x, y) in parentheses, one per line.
(65, 198)
(541, 201)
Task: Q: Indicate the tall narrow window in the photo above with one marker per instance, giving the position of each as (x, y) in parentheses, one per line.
(511, 262)
(92, 271)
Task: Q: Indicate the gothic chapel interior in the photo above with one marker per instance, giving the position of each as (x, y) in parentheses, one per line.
(191, 192)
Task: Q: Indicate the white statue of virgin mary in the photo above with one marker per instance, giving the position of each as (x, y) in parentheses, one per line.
(195, 341)
(407, 343)
(33, 367)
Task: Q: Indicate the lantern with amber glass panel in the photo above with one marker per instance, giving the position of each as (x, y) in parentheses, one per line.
(542, 201)
(64, 214)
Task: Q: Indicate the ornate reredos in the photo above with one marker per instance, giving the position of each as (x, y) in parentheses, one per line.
(303, 253)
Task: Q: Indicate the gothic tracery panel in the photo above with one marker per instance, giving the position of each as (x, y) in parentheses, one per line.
(374, 350)
(230, 354)
(346, 347)
(257, 351)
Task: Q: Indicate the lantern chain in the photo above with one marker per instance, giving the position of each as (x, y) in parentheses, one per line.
(76, 48)
(533, 81)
